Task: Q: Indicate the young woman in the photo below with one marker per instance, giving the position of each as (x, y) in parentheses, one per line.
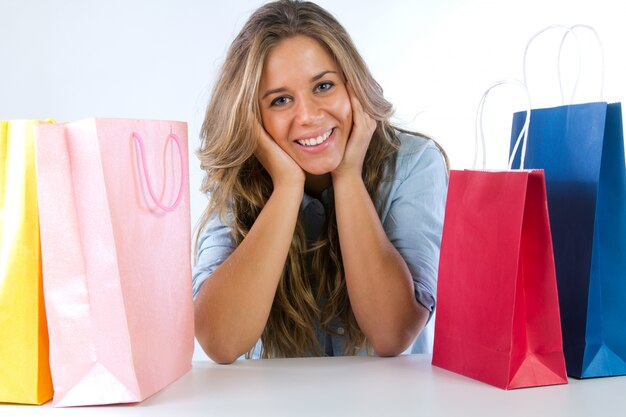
(323, 227)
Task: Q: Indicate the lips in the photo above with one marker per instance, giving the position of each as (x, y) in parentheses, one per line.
(315, 141)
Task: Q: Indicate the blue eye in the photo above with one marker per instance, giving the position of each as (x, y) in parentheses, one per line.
(280, 101)
(325, 86)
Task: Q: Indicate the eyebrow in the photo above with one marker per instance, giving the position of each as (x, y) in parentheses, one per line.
(313, 79)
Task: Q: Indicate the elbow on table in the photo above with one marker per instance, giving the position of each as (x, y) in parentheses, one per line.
(389, 346)
(218, 353)
(217, 348)
(222, 358)
(387, 349)
(394, 341)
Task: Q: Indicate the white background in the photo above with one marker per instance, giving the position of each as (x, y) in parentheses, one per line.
(157, 59)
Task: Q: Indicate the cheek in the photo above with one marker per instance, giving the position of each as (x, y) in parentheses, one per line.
(273, 126)
(343, 110)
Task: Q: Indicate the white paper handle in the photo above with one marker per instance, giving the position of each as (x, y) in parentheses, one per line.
(569, 30)
(480, 135)
(602, 68)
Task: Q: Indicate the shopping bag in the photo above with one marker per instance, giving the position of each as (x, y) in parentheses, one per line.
(116, 257)
(497, 315)
(581, 149)
(24, 368)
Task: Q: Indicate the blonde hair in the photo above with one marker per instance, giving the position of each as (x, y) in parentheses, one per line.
(239, 185)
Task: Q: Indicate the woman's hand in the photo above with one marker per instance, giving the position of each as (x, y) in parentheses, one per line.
(363, 127)
(281, 167)
(251, 273)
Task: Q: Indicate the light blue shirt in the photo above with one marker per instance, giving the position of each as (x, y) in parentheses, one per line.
(411, 211)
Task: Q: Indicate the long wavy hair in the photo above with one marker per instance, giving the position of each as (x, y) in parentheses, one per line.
(312, 287)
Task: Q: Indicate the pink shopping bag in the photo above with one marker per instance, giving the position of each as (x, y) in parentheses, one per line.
(115, 239)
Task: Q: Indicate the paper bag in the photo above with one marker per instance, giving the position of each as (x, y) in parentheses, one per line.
(24, 368)
(581, 149)
(497, 315)
(115, 237)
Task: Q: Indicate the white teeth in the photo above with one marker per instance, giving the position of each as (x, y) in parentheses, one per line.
(315, 141)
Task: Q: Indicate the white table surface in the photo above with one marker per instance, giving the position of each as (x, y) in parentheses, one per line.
(352, 386)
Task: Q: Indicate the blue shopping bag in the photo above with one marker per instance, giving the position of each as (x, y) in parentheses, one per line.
(581, 149)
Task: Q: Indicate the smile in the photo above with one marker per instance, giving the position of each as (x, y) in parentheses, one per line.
(315, 141)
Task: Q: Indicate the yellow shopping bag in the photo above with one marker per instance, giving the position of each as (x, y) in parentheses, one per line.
(24, 368)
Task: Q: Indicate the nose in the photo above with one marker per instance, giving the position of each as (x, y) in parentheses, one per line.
(308, 111)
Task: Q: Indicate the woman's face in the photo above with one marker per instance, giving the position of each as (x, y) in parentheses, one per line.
(304, 104)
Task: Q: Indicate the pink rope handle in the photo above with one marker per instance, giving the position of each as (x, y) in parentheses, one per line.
(142, 152)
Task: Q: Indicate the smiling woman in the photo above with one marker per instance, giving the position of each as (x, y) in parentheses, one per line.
(323, 227)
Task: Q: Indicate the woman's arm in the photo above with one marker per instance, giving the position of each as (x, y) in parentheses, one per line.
(379, 283)
(378, 280)
(232, 307)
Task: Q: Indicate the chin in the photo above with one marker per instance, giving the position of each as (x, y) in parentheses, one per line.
(319, 170)
(320, 167)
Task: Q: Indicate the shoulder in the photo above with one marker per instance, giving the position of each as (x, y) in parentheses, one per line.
(418, 154)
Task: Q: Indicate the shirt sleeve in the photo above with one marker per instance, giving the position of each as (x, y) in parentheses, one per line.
(214, 246)
(414, 220)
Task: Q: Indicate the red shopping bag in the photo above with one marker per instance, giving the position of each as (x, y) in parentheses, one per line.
(497, 315)
(115, 238)
(497, 312)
